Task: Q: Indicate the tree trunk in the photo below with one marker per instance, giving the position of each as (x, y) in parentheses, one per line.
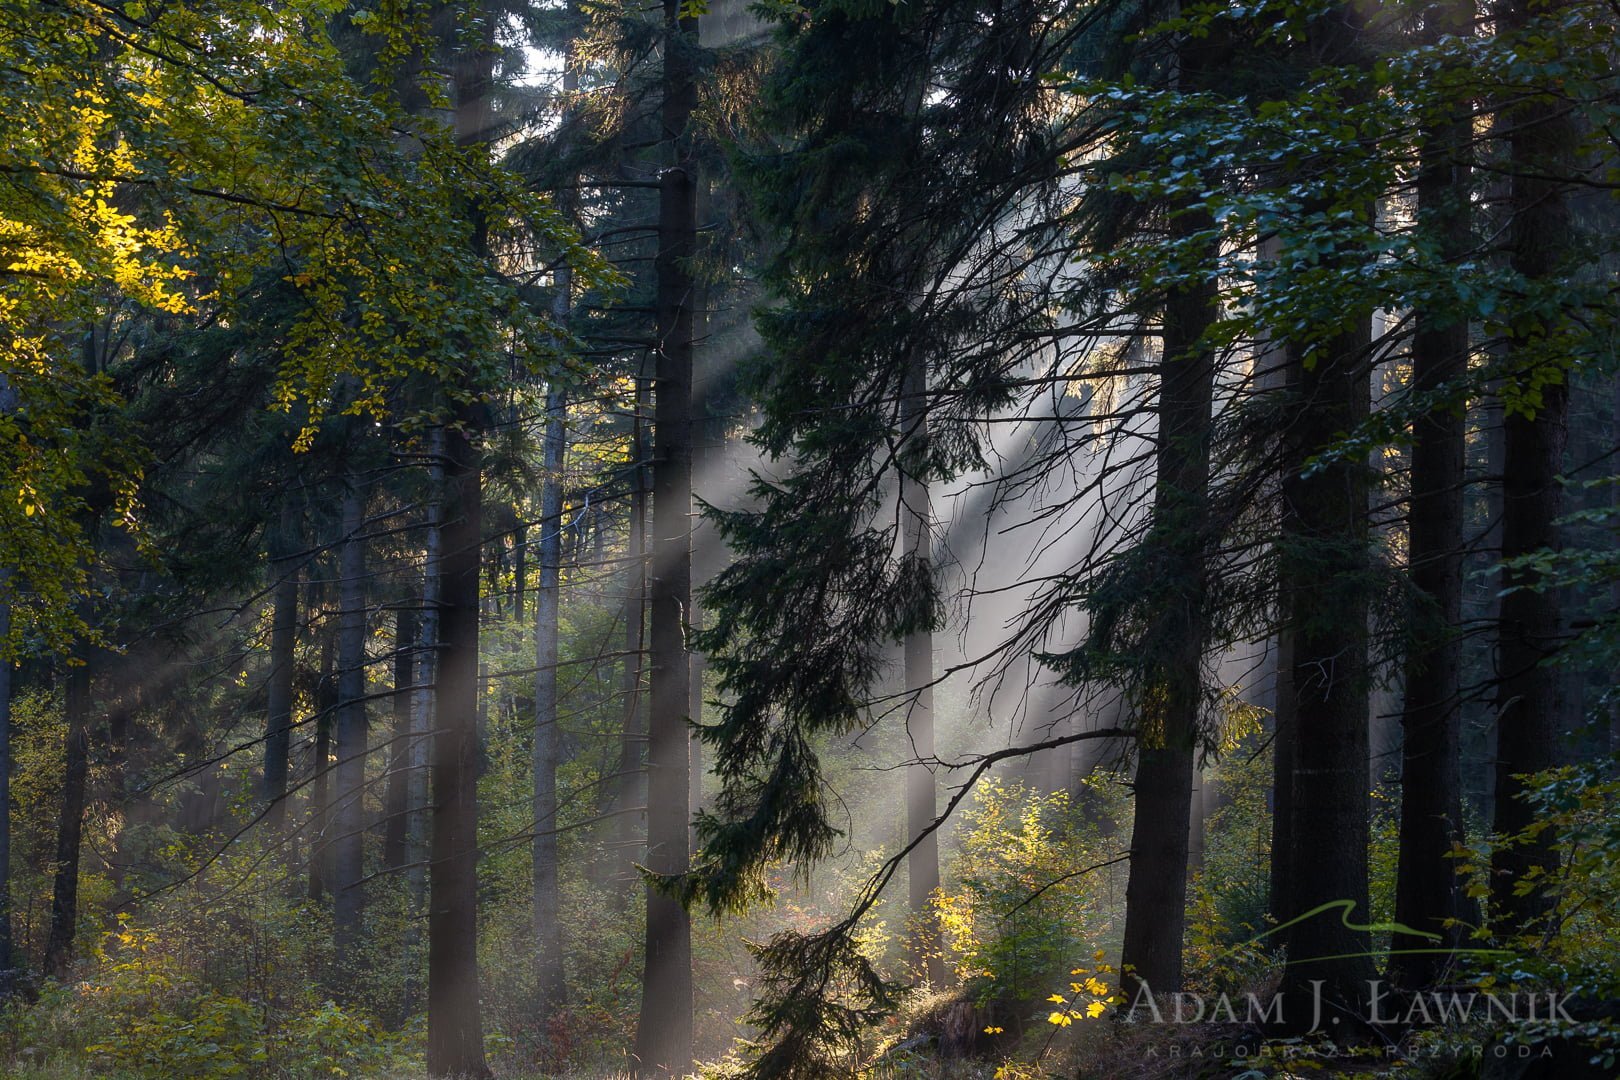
(455, 1032)
(1528, 694)
(70, 823)
(279, 690)
(1284, 734)
(632, 779)
(396, 800)
(326, 703)
(348, 818)
(1426, 891)
(7, 965)
(421, 741)
(550, 976)
(455, 1024)
(1156, 894)
(924, 947)
(1324, 587)
(664, 1030)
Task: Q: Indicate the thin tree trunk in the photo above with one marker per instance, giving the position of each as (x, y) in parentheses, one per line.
(548, 939)
(1426, 889)
(70, 823)
(664, 1030)
(7, 962)
(279, 689)
(632, 783)
(1528, 695)
(924, 946)
(421, 740)
(348, 819)
(1156, 893)
(396, 800)
(326, 701)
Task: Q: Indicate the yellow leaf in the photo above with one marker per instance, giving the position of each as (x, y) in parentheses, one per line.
(1059, 998)
(1061, 1019)
(1096, 1009)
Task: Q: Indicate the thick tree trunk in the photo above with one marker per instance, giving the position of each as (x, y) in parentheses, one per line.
(548, 939)
(1426, 888)
(1528, 694)
(925, 949)
(664, 1031)
(279, 688)
(455, 1018)
(1156, 894)
(1324, 587)
(348, 818)
(70, 824)
(455, 1031)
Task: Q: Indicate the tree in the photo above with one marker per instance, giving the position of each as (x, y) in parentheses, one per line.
(547, 733)
(1540, 137)
(664, 1030)
(1427, 891)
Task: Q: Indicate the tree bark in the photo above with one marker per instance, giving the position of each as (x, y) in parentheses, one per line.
(664, 1031)
(1156, 893)
(1426, 887)
(548, 939)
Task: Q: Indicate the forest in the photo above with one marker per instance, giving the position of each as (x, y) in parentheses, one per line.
(800, 539)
